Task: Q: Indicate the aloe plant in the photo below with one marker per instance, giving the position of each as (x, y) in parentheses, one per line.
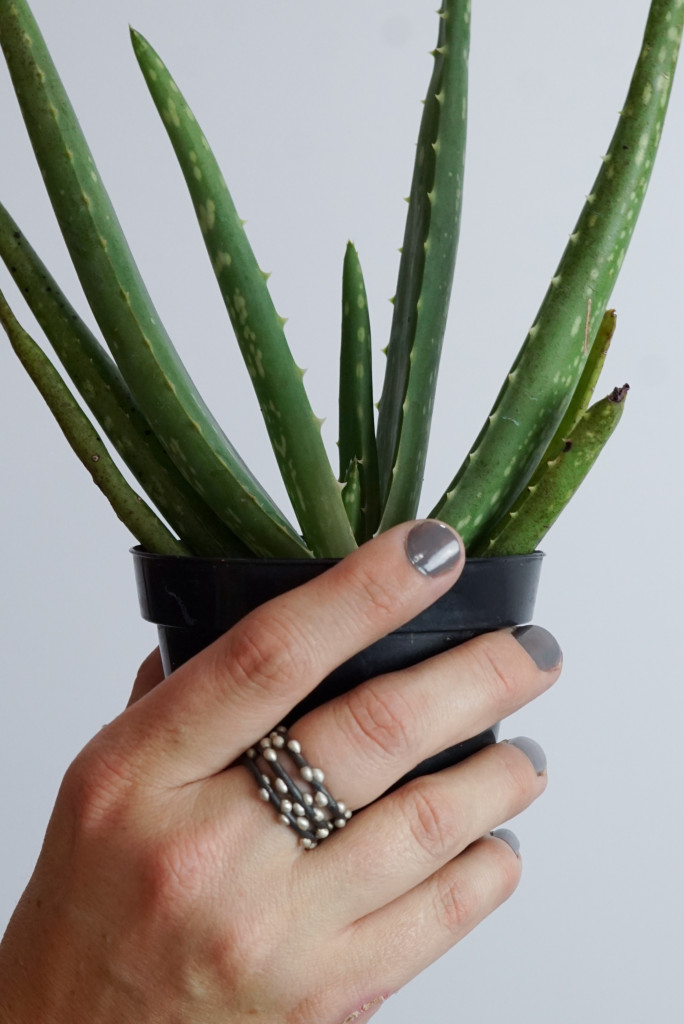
(539, 441)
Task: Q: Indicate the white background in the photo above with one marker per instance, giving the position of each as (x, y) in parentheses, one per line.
(312, 108)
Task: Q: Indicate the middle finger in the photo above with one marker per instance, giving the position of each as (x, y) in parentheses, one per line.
(367, 739)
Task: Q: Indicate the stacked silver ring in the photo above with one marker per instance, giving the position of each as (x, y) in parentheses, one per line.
(303, 803)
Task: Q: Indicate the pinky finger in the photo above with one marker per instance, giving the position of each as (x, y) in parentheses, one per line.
(410, 933)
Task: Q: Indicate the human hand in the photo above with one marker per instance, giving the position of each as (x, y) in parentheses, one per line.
(167, 891)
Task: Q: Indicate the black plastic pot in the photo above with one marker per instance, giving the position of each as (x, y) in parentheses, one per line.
(192, 601)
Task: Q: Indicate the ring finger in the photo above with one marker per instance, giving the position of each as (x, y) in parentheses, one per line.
(400, 841)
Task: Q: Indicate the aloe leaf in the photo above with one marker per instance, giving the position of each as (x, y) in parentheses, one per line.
(584, 392)
(120, 303)
(425, 272)
(129, 507)
(576, 409)
(294, 431)
(351, 496)
(97, 379)
(544, 501)
(357, 412)
(544, 376)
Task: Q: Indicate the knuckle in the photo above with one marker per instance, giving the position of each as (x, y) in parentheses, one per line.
(432, 822)
(183, 859)
(267, 652)
(245, 948)
(174, 870)
(456, 904)
(378, 721)
(380, 597)
(178, 875)
(96, 787)
(500, 677)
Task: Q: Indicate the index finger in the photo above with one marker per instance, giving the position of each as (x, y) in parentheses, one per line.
(225, 699)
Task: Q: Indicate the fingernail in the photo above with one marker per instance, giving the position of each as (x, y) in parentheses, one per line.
(541, 646)
(432, 547)
(532, 751)
(508, 837)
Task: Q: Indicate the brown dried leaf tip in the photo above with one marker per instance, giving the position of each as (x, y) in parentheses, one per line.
(619, 394)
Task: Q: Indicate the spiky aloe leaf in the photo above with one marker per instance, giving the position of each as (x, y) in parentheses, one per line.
(576, 409)
(425, 272)
(351, 496)
(129, 507)
(357, 412)
(102, 387)
(120, 303)
(544, 501)
(584, 392)
(544, 376)
(294, 430)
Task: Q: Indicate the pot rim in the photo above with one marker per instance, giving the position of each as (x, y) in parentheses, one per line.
(189, 592)
(139, 552)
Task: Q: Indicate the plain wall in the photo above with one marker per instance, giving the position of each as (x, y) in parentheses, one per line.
(312, 109)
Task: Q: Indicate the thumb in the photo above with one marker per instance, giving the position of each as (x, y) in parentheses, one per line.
(149, 675)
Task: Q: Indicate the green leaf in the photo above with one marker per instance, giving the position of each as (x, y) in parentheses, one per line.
(294, 430)
(351, 496)
(357, 411)
(120, 303)
(129, 507)
(544, 501)
(544, 376)
(576, 409)
(103, 389)
(425, 273)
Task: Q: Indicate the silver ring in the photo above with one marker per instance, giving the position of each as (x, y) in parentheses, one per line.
(295, 788)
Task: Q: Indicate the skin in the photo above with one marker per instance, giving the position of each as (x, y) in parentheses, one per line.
(167, 892)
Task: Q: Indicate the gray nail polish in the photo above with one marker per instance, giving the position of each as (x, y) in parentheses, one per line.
(432, 548)
(508, 837)
(541, 646)
(532, 751)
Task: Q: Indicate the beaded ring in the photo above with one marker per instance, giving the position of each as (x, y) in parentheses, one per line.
(304, 803)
